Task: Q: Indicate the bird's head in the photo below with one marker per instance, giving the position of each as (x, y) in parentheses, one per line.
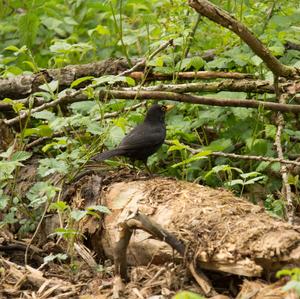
(156, 113)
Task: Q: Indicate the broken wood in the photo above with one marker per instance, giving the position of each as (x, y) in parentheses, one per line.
(223, 232)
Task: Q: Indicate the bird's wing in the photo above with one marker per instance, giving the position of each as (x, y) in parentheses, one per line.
(141, 137)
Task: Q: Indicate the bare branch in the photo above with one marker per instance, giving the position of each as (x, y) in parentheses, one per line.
(253, 86)
(242, 157)
(186, 98)
(283, 169)
(142, 63)
(190, 75)
(221, 17)
(79, 95)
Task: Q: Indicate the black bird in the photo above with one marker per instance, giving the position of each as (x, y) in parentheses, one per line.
(143, 140)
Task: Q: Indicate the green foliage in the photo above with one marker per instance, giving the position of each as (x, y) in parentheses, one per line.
(274, 206)
(187, 295)
(294, 275)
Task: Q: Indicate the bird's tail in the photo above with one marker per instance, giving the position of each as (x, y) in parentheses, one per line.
(108, 154)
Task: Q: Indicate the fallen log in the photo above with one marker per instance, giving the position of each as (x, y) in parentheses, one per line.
(209, 228)
(223, 232)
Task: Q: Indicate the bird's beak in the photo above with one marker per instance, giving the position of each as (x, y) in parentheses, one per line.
(169, 107)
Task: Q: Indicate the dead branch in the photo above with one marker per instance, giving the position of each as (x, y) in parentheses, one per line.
(79, 95)
(221, 17)
(286, 187)
(24, 85)
(142, 63)
(253, 86)
(186, 98)
(190, 75)
(140, 221)
(19, 87)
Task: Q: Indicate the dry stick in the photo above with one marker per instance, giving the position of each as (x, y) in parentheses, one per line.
(243, 157)
(220, 16)
(191, 75)
(191, 36)
(187, 98)
(283, 169)
(143, 62)
(159, 95)
(254, 86)
(140, 221)
(72, 97)
(256, 158)
(35, 233)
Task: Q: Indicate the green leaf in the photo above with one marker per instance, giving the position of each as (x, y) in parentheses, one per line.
(219, 145)
(31, 65)
(196, 157)
(234, 182)
(253, 180)
(51, 257)
(270, 131)
(249, 174)
(78, 214)
(51, 166)
(102, 30)
(20, 156)
(45, 114)
(121, 122)
(83, 107)
(50, 87)
(130, 81)
(187, 295)
(99, 208)
(12, 48)
(28, 28)
(8, 152)
(177, 146)
(116, 134)
(59, 206)
(80, 80)
(42, 130)
(95, 128)
(40, 192)
(4, 199)
(17, 106)
(111, 79)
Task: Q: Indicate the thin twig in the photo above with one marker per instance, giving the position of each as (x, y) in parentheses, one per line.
(188, 98)
(80, 95)
(143, 61)
(191, 36)
(223, 18)
(283, 169)
(243, 157)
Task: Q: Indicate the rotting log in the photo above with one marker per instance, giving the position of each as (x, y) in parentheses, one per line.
(223, 232)
(220, 231)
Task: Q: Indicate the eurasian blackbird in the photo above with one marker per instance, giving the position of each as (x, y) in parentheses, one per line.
(143, 140)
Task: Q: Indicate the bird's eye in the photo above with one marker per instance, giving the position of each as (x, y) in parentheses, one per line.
(164, 108)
